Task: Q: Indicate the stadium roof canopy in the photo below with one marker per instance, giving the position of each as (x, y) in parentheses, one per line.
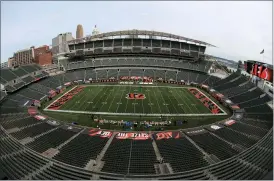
(138, 32)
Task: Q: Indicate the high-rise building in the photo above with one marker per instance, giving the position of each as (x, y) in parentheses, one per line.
(79, 31)
(4, 65)
(23, 57)
(10, 60)
(59, 43)
(42, 55)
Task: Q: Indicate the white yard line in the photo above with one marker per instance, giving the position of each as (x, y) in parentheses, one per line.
(180, 96)
(60, 97)
(127, 99)
(105, 99)
(158, 102)
(113, 98)
(186, 96)
(122, 94)
(143, 101)
(92, 99)
(134, 102)
(76, 104)
(149, 101)
(103, 93)
(172, 102)
(164, 100)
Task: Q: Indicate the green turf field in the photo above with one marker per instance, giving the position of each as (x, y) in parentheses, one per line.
(106, 101)
(156, 100)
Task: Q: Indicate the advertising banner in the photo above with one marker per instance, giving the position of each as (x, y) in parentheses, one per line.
(167, 135)
(67, 84)
(134, 136)
(102, 134)
(230, 122)
(39, 117)
(32, 111)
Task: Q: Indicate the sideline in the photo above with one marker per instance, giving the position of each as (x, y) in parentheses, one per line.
(209, 99)
(134, 114)
(60, 97)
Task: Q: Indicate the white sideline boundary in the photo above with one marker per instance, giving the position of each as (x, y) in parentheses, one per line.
(129, 85)
(60, 97)
(210, 99)
(133, 114)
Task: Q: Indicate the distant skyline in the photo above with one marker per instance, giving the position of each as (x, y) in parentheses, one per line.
(240, 30)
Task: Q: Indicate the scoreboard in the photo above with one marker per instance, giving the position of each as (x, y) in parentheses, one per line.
(262, 70)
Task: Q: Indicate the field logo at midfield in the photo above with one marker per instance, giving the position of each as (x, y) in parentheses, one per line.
(135, 96)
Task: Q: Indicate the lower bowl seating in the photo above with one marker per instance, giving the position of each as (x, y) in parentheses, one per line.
(243, 150)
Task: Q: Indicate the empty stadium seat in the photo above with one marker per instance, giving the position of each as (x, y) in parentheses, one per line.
(181, 154)
(81, 149)
(50, 140)
(213, 145)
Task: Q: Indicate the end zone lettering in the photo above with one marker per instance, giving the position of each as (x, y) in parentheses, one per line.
(135, 96)
(163, 135)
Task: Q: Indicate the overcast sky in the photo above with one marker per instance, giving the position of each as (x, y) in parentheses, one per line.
(239, 29)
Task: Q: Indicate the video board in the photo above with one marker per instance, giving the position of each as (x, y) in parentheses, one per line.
(259, 69)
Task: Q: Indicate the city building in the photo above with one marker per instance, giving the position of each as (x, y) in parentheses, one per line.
(59, 43)
(23, 57)
(4, 65)
(43, 55)
(95, 31)
(79, 31)
(51, 69)
(10, 60)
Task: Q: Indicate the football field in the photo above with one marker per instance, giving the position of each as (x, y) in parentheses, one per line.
(135, 100)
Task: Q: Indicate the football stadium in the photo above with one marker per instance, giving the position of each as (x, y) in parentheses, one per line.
(136, 104)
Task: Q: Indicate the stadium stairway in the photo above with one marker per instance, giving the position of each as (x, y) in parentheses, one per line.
(97, 164)
(211, 159)
(250, 164)
(199, 148)
(234, 146)
(70, 139)
(156, 149)
(44, 133)
(13, 130)
(245, 134)
(161, 168)
(25, 135)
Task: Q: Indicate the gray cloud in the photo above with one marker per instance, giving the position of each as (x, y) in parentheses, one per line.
(240, 29)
